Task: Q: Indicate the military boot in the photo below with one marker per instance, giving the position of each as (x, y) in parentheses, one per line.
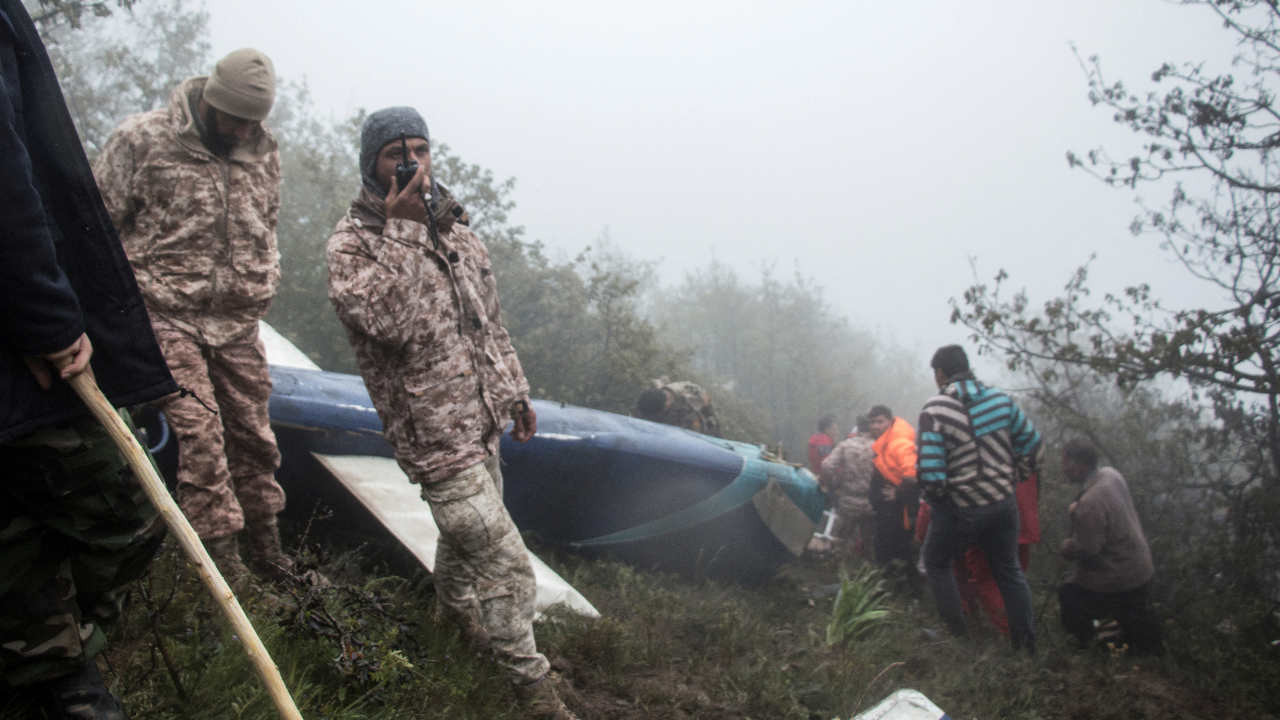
(225, 552)
(81, 696)
(541, 702)
(265, 555)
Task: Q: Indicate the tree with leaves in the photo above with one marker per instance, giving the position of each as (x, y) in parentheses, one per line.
(776, 356)
(1214, 136)
(1210, 137)
(127, 62)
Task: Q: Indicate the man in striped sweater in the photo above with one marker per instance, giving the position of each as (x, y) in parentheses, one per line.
(971, 439)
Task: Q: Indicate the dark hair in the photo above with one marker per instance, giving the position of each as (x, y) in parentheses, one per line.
(1081, 451)
(826, 420)
(879, 411)
(651, 403)
(862, 424)
(951, 360)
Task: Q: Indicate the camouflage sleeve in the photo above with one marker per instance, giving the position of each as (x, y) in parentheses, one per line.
(114, 172)
(273, 206)
(831, 469)
(371, 283)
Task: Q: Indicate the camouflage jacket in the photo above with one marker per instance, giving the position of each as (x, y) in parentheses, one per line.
(846, 473)
(199, 230)
(426, 327)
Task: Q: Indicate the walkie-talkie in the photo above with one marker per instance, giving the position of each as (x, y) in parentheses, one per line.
(405, 170)
(407, 167)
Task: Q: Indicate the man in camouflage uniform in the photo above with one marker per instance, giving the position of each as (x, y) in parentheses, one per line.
(75, 526)
(682, 403)
(846, 478)
(415, 290)
(194, 189)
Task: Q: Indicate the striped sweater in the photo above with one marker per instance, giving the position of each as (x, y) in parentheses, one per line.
(971, 439)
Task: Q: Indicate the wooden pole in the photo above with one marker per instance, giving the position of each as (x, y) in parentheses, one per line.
(87, 388)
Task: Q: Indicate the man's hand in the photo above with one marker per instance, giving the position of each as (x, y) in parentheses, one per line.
(408, 204)
(69, 361)
(526, 422)
(1068, 549)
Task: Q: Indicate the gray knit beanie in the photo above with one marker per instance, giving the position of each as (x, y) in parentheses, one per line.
(242, 84)
(380, 128)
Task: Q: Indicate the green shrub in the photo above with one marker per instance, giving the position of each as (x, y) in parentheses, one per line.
(860, 606)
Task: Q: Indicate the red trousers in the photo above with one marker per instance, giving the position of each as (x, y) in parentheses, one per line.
(978, 586)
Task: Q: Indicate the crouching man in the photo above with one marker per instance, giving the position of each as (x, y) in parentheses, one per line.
(1112, 576)
(415, 291)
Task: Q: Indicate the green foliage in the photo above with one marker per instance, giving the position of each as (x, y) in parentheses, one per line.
(860, 606)
(319, 178)
(125, 63)
(578, 325)
(779, 351)
(1213, 134)
(665, 647)
(1210, 463)
(54, 13)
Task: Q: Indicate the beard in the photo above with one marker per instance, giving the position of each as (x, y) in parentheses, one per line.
(218, 144)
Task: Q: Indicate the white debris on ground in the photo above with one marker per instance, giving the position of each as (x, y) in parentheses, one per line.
(904, 704)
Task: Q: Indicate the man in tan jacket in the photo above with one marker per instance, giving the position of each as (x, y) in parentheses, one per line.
(846, 478)
(1113, 571)
(414, 288)
(194, 189)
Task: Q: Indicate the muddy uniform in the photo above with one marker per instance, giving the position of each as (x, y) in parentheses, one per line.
(199, 231)
(846, 478)
(424, 320)
(690, 407)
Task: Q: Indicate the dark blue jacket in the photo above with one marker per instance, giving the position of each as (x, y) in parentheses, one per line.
(62, 268)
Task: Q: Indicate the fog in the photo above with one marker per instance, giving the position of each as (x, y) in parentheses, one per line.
(876, 147)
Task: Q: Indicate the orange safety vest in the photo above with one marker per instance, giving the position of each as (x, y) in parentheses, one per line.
(896, 456)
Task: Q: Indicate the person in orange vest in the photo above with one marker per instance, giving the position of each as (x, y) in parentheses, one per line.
(894, 496)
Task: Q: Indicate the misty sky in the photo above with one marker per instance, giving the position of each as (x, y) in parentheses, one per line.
(875, 147)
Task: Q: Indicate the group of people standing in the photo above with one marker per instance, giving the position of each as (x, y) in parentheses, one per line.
(964, 483)
(150, 271)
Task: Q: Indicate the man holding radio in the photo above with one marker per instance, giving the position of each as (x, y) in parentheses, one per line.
(414, 288)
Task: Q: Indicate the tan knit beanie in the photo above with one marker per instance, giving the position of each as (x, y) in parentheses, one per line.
(242, 84)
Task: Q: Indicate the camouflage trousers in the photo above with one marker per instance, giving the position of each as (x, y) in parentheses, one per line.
(226, 460)
(854, 522)
(75, 527)
(482, 567)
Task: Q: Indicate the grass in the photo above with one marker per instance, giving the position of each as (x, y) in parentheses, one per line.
(665, 647)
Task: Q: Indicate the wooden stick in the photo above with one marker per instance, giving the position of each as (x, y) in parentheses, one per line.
(87, 388)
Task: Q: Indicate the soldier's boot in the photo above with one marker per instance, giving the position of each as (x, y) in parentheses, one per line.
(540, 700)
(81, 696)
(265, 554)
(225, 552)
